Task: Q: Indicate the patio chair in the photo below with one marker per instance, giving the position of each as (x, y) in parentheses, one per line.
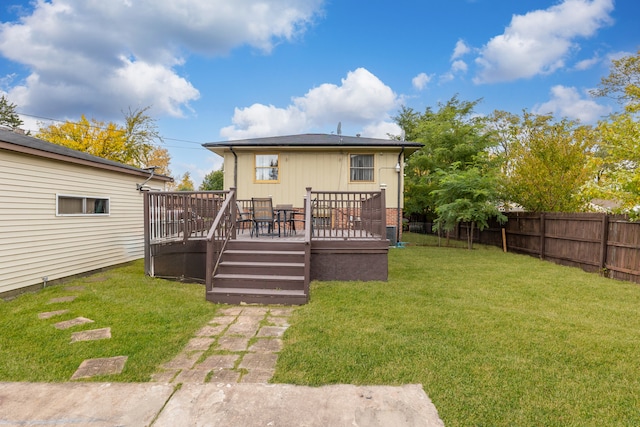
(244, 217)
(321, 214)
(263, 214)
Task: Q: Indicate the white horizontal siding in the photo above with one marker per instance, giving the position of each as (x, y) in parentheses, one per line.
(35, 243)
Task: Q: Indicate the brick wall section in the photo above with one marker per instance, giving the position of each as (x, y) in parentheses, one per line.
(392, 219)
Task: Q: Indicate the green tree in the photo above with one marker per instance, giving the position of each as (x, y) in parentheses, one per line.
(8, 115)
(468, 195)
(550, 164)
(213, 181)
(619, 160)
(185, 183)
(618, 165)
(452, 134)
(623, 82)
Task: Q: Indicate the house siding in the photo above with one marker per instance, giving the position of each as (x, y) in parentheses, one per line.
(326, 170)
(35, 243)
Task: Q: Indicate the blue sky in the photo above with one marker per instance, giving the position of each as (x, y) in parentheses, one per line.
(213, 70)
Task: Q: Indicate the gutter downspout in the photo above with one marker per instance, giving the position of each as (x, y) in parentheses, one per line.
(235, 168)
(400, 174)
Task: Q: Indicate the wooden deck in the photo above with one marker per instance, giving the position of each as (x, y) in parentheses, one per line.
(239, 266)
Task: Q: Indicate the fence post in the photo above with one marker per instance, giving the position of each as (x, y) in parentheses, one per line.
(604, 244)
(542, 237)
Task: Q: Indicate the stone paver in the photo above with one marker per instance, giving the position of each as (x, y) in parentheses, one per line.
(281, 312)
(63, 299)
(272, 331)
(225, 376)
(183, 360)
(91, 335)
(219, 361)
(278, 321)
(192, 376)
(73, 322)
(258, 376)
(50, 314)
(210, 331)
(231, 311)
(258, 361)
(199, 344)
(233, 343)
(74, 288)
(267, 345)
(103, 366)
(223, 320)
(231, 359)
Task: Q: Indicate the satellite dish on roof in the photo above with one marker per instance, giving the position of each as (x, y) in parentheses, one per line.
(339, 131)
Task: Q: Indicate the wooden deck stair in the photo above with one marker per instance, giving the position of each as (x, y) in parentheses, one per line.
(260, 272)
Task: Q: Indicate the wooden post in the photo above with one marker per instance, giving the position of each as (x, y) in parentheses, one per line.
(542, 224)
(604, 243)
(504, 240)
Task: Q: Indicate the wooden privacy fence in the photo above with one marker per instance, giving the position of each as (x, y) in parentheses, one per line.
(595, 242)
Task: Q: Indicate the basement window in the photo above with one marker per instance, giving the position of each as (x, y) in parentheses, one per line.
(81, 205)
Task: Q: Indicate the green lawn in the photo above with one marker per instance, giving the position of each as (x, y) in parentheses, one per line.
(151, 320)
(495, 339)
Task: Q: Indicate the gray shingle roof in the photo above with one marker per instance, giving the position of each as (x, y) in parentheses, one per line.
(314, 140)
(47, 149)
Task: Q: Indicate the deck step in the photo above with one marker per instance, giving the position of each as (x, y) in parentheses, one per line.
(263, 268)
(253, 252)
(257, 296)
(258, 281)
(260, 273)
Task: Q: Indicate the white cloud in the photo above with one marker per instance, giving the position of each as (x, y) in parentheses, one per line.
(567, 102)
(98, 57)
(539, 42)
(421, 81)
(381, 130)
(585, 64)
(459, 66)
(361, 100)
(460, 50)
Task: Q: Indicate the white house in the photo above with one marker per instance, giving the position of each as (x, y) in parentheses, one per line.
(65, 212)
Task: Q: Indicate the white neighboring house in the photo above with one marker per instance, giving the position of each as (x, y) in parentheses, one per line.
(64, 212)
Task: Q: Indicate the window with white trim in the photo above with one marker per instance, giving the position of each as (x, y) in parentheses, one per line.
(361, 167)
(81, 205)
(267, 169)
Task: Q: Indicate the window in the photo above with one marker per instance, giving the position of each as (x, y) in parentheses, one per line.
(82, 205)
(267, 167)
(361, 167)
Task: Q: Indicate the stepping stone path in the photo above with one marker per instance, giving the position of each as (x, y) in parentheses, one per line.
(239, 345)
(90, 367)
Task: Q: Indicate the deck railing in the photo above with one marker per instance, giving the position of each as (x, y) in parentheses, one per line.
(222, 229)
(348, 215)
(344, 215)
(181, 215)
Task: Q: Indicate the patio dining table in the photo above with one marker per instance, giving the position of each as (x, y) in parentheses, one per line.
(284, 214)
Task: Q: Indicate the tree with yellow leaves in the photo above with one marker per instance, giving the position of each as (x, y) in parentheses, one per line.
(132, 144)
